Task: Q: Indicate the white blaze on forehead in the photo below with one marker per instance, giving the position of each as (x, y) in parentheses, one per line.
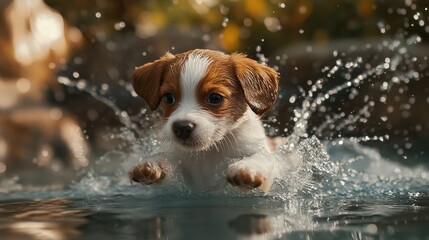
(193, 71)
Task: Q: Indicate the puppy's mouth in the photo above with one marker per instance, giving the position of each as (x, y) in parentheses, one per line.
(192, 144)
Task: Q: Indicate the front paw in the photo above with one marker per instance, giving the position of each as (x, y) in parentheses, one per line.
(245, 178)
(147, 173)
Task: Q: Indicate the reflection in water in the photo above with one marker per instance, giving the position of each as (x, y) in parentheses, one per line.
(151, 228)
(252, 224)
(173, 217)
(46, 219)
(358, 220)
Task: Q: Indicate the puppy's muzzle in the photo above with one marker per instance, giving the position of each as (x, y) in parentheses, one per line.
(183, 129)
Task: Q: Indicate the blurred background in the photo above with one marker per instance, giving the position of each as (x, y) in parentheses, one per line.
(65, 69)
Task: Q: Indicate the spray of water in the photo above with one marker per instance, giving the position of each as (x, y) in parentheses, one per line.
(316, 172)
(338, 166)
(332, 167)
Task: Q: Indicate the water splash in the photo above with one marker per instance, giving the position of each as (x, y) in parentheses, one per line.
(327, 165)
(316, 169)
(81, 85)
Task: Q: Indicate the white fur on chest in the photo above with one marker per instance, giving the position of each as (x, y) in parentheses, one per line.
(206, 169)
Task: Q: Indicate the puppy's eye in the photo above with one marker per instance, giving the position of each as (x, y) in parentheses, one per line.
(215, 99)
(169, 99)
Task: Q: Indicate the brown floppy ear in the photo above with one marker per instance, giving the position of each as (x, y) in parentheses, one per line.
(259, 83)
(147, 80)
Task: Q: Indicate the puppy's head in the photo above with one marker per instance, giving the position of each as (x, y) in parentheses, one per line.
(203, 93)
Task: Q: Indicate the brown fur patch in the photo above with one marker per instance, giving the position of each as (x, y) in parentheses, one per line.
(220, 79)
(148, 78)
(259, 83)
(171, 84)
(238, 79)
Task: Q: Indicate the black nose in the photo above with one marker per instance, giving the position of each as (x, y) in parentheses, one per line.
(183, 129)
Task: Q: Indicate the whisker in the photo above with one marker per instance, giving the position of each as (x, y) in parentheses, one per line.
(232, 134)
(229, 142)
(224, 144)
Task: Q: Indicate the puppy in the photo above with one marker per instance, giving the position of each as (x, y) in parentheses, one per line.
(211, 103)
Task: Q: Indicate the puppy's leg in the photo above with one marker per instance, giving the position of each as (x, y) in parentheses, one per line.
(149, 171)
(253, 172)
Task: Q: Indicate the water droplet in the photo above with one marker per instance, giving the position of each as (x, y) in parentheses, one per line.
(272, 24)
(247, 22)
(119, 26)
(384, 86)
(105, 86)
(81, 84)
(386, 66)
(225, 22)
(408, 145)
